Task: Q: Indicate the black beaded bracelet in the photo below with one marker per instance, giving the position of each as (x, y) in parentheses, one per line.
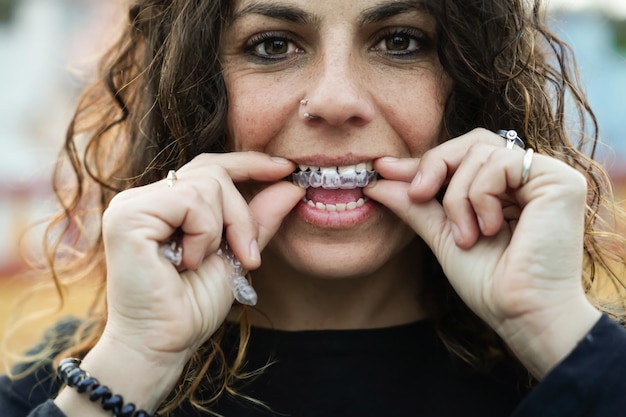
(70, 373)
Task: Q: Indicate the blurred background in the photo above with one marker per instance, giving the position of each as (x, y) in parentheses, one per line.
(48, 51)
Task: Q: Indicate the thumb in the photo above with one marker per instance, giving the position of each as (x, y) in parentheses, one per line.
(427, 219)
(271, 206)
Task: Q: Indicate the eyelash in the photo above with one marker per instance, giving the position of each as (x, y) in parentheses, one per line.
(260, 39)
(420, 39)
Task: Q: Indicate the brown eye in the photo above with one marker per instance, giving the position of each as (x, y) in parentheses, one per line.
(398, 43)
(275, 47)
(401, 43)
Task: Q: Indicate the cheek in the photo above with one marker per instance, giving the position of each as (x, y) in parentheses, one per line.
(417, 113)
(252, 121)
(418, 119)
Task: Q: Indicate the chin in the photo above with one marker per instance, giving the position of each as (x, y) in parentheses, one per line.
(347, 257)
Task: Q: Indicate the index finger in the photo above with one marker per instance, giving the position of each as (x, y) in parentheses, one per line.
(440, 163)
(241, 166)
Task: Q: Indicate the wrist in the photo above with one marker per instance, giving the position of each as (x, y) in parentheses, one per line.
(73, 376)
(144, 380)
(542, 339)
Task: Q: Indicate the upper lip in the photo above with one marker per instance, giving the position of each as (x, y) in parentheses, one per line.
(328, 161)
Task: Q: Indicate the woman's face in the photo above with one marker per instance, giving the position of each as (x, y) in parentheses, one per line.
(372, 79)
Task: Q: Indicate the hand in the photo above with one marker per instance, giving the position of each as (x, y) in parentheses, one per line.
(157, 309)
(512, 252)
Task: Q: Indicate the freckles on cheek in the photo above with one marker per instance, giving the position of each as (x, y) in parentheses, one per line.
(253, 122)
(420, 124)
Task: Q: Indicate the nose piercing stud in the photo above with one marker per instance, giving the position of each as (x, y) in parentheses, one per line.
(307, 115)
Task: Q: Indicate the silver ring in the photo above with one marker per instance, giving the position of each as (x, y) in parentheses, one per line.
(526, 163)
(304, 101)
(171, 178)
(512, 138)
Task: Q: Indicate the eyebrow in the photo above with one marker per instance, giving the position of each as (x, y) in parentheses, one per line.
(278, 11)
(375, 14)
(386, 10)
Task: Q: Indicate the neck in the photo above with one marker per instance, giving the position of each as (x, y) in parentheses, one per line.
(292, 300)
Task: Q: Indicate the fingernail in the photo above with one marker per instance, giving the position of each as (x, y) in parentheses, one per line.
(456, 232)
(254, 251)
(481, 224)
(417, 180)
(280, 160)
(389, 159)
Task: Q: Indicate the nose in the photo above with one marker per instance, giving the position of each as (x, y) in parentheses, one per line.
(337, 94)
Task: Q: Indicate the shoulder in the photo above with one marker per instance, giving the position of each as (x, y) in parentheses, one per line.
(34, 382)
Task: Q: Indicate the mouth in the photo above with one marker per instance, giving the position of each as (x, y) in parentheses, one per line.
(346, 177)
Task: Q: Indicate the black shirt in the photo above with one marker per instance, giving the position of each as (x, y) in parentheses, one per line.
(398, 371)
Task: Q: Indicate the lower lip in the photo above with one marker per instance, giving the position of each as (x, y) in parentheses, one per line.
(335, 219)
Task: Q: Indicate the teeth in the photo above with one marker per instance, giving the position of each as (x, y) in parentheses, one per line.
(315, 178)
(330, 179)
(347, 168)
(361, 179)
(336, 207)
(333, 178)
(301, 180)
(347, 179)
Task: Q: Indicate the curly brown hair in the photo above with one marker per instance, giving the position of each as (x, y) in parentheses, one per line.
(160, 100)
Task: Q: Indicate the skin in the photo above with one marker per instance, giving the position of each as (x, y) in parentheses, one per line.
(353, 83)
(495, 238)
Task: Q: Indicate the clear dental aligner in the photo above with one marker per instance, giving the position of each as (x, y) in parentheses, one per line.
(333, 178)
(242, 290)
(172, 250)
